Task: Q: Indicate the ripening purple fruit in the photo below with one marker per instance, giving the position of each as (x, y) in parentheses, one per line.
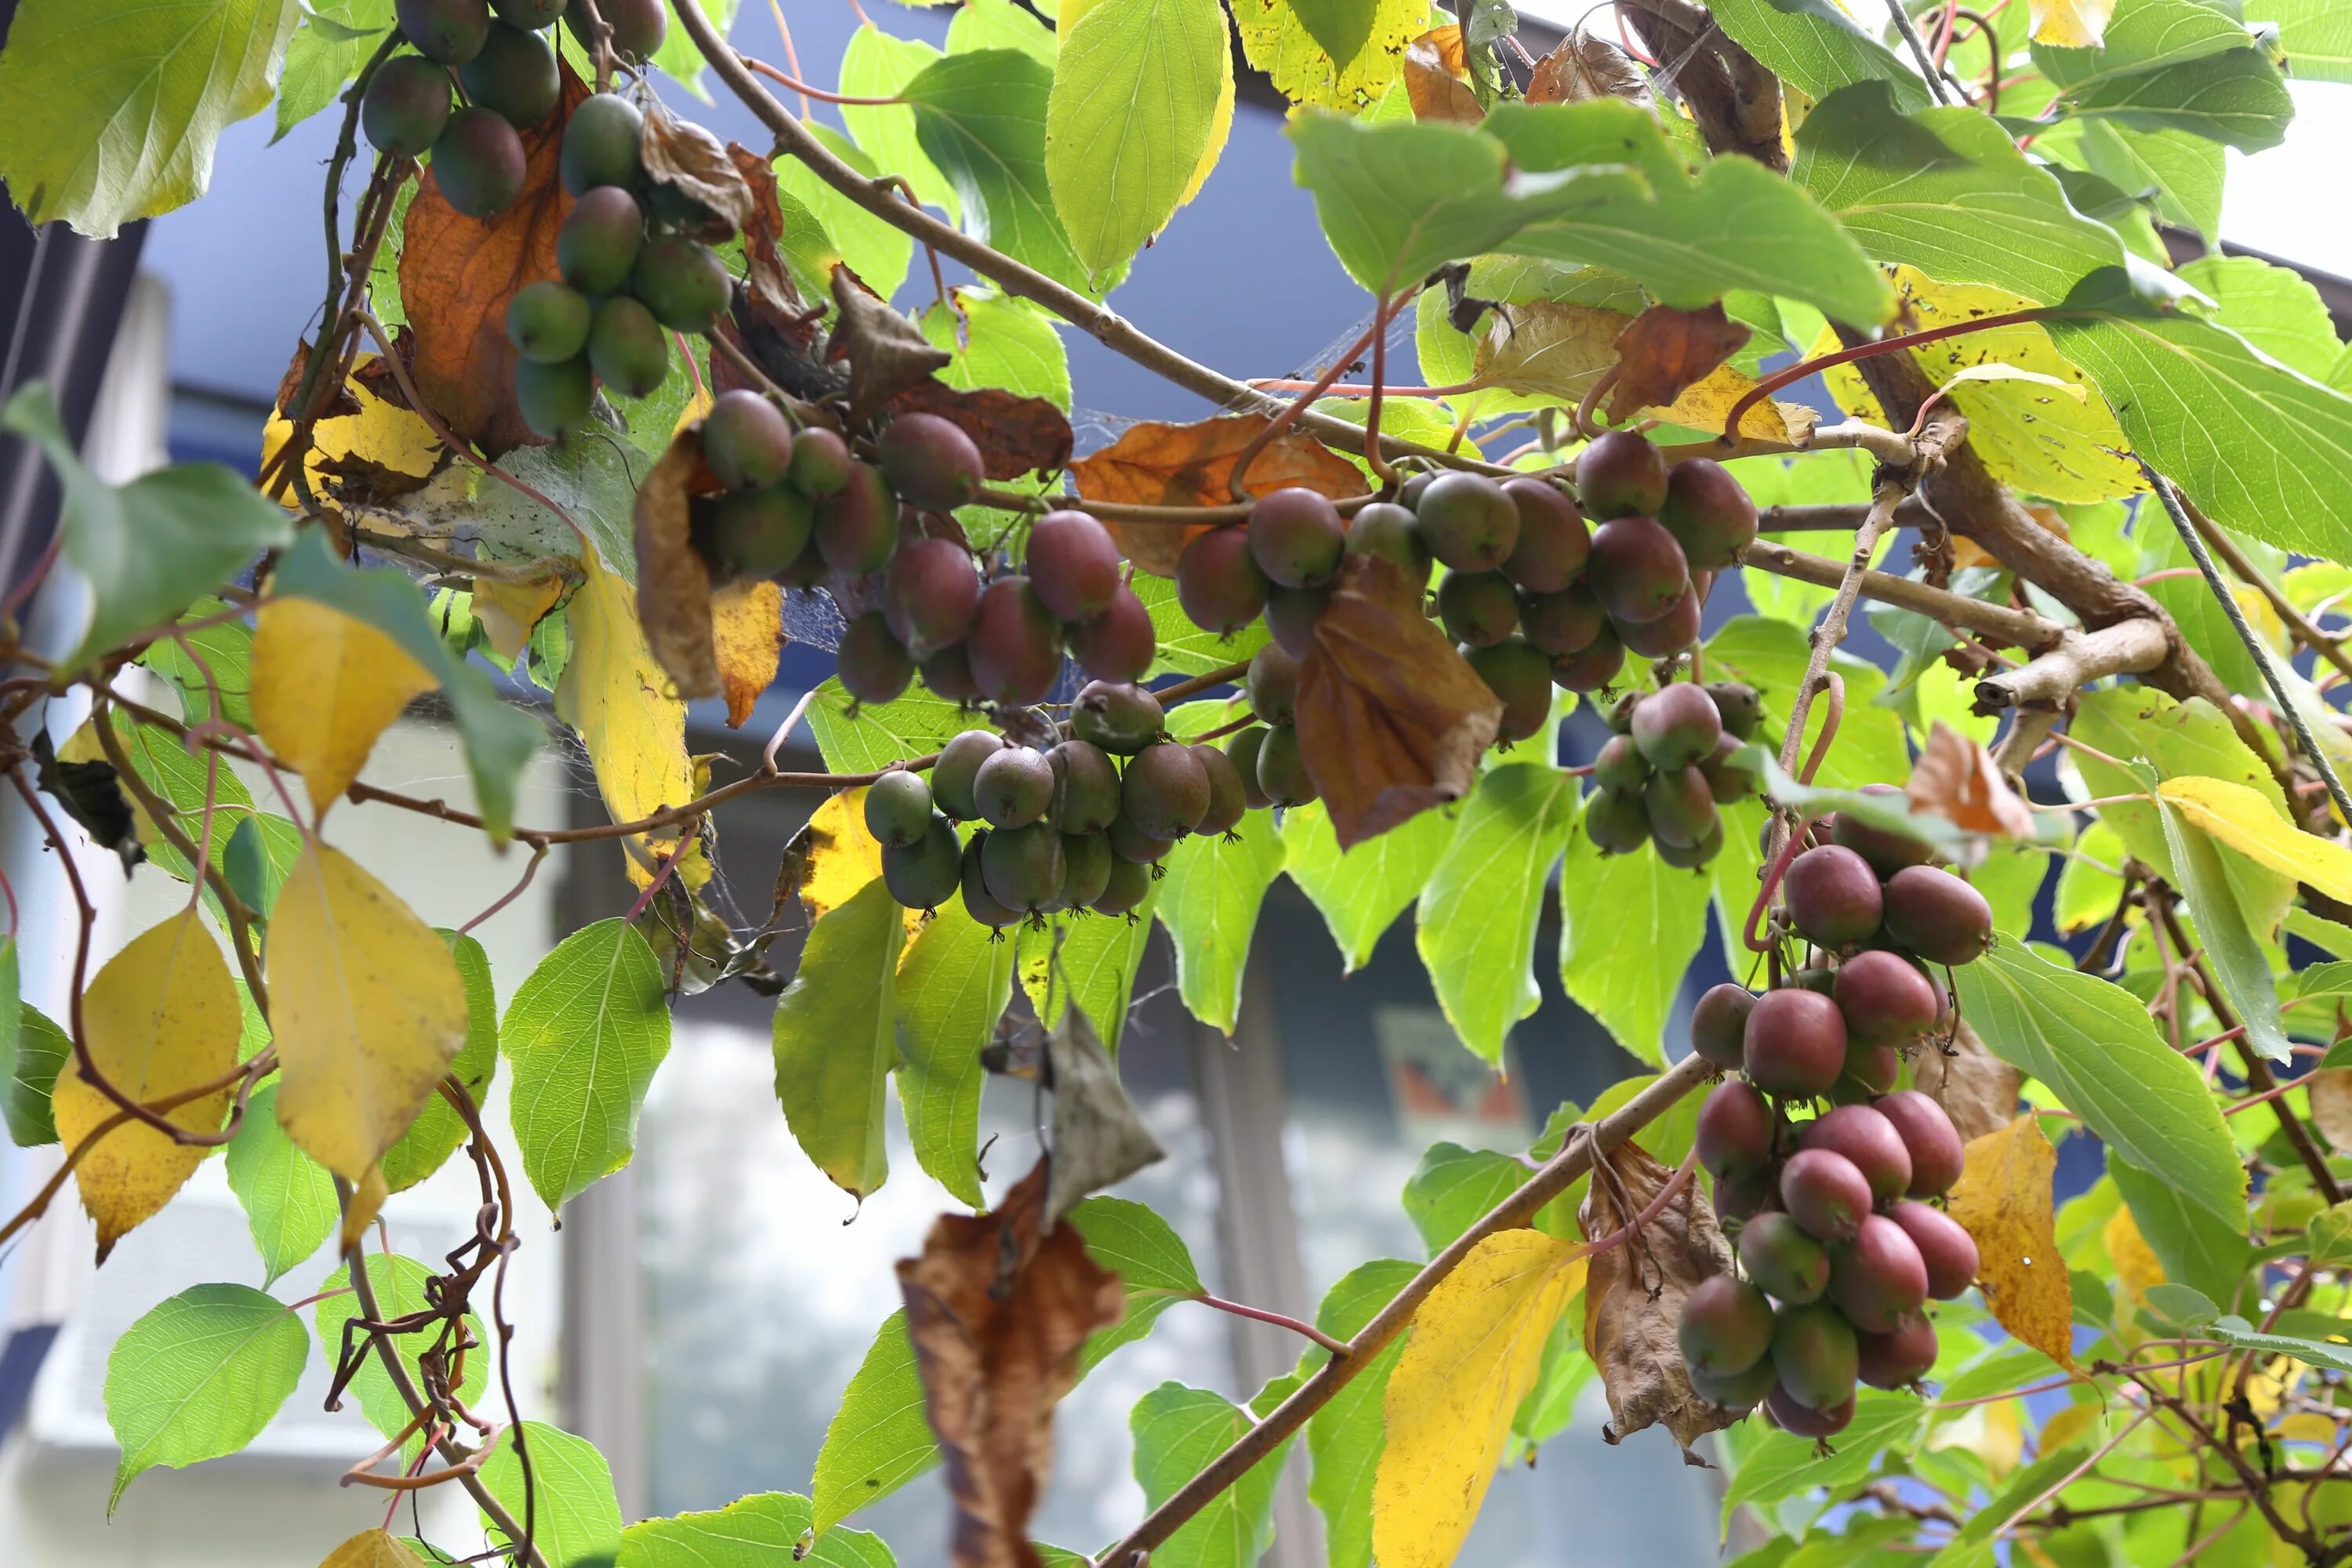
(1937, 1152)
(1945, 1249)
(1833, 897)
(1869, 1139)
(1825, 1193)
(1794, 1044)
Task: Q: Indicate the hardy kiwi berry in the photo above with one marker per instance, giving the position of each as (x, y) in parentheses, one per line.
(1478, 609)
(1468, 522)
(873, 666)
(929, 593)
(1282, 768)
(931, 462)
(955, 774)
(745, 439)
(1165, 789)
(897, 808)
(1218, 582)
(598, 242)
(1621, 474)
(1518, 674)
(1553, 539)
(406, 104)
(602, 143)
(1120, 717)
(1073, 563)
(924, 874)
(1296, 537)
(1780, 1255)
(1118, 643)
(1013, 787)
(478, 164)
(1676, 726)
(1015, 643)
(1086, 788)
(1833, 897)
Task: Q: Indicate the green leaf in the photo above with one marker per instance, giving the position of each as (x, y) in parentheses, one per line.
(878, 252)
(1479, 911)
(2144, 36)
(1452, 1188)
(499, 740)
(680, 59)
(2237, 99)
(575, 1517)
(227, 650)
(1361, 892)
(1154, 1268)
(1209, 902)
(2197, 1248)
(2274, 307)
(326, 51)
(114, 105)
(199, 1376)
(981, 119)
(1629, 927)
(836, 1040)
(877, 64)
(1183, 648)
(1130, 115)
(2236, 1331)
(1770, 655)
(439, 1130)
(288, 1198)
(1947, 191)
(2316, 34)
(1002, 341)
(42, 1049)
(2183, 171)
(1097, 960)
(12, 1019)
(952, 985)
(583, 1036)
(150, 548)
(1816, 48)
(1781, 1465)
(756, 1531)
(399, 1285)
(1002, 25)
(2097, 1048)
(2240, 965)
(877, 734)
(880, 1438)
(1178, 1431)
(1344, 1439)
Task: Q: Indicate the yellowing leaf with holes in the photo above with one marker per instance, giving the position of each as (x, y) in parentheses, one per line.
(162, 1017)
(2246, 821)
(1477, 1344)
(367, 1009)
(2003, 1199)
(2072, 24)
(373, 1549)
(367, 446)
(324, 686)
(629, 716)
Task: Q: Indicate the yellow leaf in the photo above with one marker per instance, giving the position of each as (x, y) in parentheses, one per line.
(2000, 1441)
(1477, 1344)
(2070, 1423)
(1278, 44)
(509, 610)
(367, 1202)
(2133, 1261)
(629, 716)
(2003, 1199)
(842, 856)
(2070, 24)
(160, 1017)
(373, 1549)
(366, 1007)
(2246, 821)
(747, 637)
(382, 436)
(324, 686)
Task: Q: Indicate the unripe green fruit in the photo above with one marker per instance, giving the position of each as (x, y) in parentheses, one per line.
(1637, 569)
(598, 242)
(1740, 1391)
(897, 808)
(528, 13)
(1621, 474)
(1164, 791)
(1794, 1419)
(554, 398)
(1073, 565)
(1620, 716)
(1886, 999)
(1813, 1352)
(628, 348)
(1794, 1044)
(929, 593)
(406, 107)
(1725, 1326)
(955, 774)
(1480, 608)
(513, 74)
(1119, 718)
(948, 672)
(1620, 765)
(756, 533)
(1388, 531)
(1218, 583)
(1682, 811)
(1282, 768)
(978, 901)
(745, 440)
(1520, 676)
(638, 27)
(1240, 749)
(1553, 539)
(1087, 863)
(857, 525)
(1936, 915)
(872, 665)
(1296, 537)
(1734, 1133)
(478, 164)
(1691, 857)
(1291, 614)
(1013, 787)
(930, 462)
(1887, 851)
(1707, 513)
(548, 321)
(1086, 788)
(1870, 1141)
(1562, 623)
(1676, 727)
(1616, 822)
(1718, 1025)
(821, 462)
(1825, 1194)
(1023, 866)
(1273, 686)
(1877, 1280)
(1947, 1250)
(1593, 667)
(601, 142)
(449, 31)
(1124, 889)
(1132, 844)
(1227, 800)
(1016, 643)
(1729, 783)
(681, 281)
(925, 874)
(1936, 1152)
(1468, 522)
(1670, 632)
(1833, 897)
(1738, 706)
(1119, 644)
(1786, 1263)
(1898, 1359)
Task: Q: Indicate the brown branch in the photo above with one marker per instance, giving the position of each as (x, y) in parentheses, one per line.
(1842, 518)
(2127, 647)
(2006, 627)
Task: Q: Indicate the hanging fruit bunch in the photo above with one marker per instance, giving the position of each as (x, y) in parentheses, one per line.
(1667, 768)
(1840, 1239)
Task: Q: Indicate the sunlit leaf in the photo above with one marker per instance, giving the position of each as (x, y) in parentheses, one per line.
(199, 1376)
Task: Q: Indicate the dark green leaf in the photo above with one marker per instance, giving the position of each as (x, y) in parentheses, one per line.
(1209, 902)
(1344, 1439)
(1781, 1465)
(325, 52)
(575, 1518)
(1479, 911)
(952, 985)
(1360, 891)
(226, 652)
(199, 1376)
(2237, 99)
(837, 1038)
(583, 1036)
(2236, 1331)
(437, 1131)
(1452, 1188)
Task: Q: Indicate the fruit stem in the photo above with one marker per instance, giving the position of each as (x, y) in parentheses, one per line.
(1283, 421)
(806, 91)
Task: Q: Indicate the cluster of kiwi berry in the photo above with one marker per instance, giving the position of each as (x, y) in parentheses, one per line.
(1668, 766)
(1838, 1242)
(1076, 827)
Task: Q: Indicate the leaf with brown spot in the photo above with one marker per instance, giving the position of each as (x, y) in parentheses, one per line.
(690, 160)
(456, 276)
(1955, 778)
(1633, 1297)
(1015, 435)
(2004, 1200)
(1437, 78)
(998, 1313)
(289, 385)
(747, 636)
(673, 583)
(771, 281)
(1391, 719)
(1555, 349)
(1586, 66)
(1664, 352)
(1977, 1089)
(887, 351)
(1153, 464)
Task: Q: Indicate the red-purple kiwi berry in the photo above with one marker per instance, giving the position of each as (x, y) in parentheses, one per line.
(1833, 897)
(1296, 537)
(1937, 1155)
(1826, 1193)
(1636, 570)
(1870, 1140)
(1936, 915)
(1553, 539)
(1676, 726)
(1718, 1025)
(1621, 474)
(1218, 582)
(1468, 522)
(1073, 565)
(1015, 642)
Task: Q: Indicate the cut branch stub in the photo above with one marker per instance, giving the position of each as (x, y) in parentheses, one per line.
(2127, 647)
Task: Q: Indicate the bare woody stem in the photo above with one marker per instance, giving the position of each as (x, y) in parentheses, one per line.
(2002, 624)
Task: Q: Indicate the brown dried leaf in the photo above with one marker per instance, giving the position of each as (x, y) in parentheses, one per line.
(690, 160)
(1152, 464)
(1015, 435)
(1555, 349)
(2331, 1105)
(1099, 1136)
(1437, 78)
(763, 234)
(1391, 719)
(2004, 1200)
(1977, 1089)
(1633, 1298)
(887, 351)
(1586, 66)
(673, 584)
(747, 637)
(1956, 779)
(997, 1314)
(338, 406)
(456, 276)
(1665, 351)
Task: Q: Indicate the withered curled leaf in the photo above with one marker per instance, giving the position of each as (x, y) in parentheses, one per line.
(1977, 1089)
(1437, 78)
(1586, 65)
(1391, 719)
(998, 1308)
(1956, 779)
(887, 351)
(1665, 351)
(1152, 464)
(673, 583)
(772, 284)
(690, 161)
(1099, 1137)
